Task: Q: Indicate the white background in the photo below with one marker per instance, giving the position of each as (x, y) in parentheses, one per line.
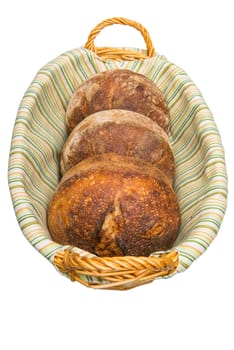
(41, 309)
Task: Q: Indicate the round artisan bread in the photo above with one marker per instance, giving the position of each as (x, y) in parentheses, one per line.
(118, 89)
(113, 205)
(119, 131)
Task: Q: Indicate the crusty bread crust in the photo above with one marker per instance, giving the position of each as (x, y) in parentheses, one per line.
(119, 131)
(118, 89)
(114, 205)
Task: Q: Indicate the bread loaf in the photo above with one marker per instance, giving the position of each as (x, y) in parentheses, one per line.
(118, 89)
(123, 132)
(114, 205)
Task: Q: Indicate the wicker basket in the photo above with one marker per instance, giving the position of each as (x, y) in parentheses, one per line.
(39, 134)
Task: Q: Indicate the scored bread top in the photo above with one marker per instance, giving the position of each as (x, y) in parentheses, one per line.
(114, 205)
(118, 89)
(119, 131)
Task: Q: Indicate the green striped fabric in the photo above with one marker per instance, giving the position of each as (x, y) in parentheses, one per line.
(39, 134)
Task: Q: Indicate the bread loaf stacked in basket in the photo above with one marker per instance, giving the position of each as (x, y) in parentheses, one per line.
(115, 197)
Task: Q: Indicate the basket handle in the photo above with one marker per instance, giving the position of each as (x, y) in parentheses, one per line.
(115, 53)
(120, 273)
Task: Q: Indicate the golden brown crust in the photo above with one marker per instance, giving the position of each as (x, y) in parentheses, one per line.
(118, 89)
(119, 131)
(114, 205)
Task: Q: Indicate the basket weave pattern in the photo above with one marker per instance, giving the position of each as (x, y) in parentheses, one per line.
(115, 273)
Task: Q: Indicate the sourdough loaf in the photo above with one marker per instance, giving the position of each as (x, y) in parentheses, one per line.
(114, 205)
(119, 131)
(118, 89)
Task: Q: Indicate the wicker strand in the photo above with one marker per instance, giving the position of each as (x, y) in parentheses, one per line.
(115, 272)
(109, 53)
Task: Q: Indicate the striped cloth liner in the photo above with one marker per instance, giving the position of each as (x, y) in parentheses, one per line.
(39, 134)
